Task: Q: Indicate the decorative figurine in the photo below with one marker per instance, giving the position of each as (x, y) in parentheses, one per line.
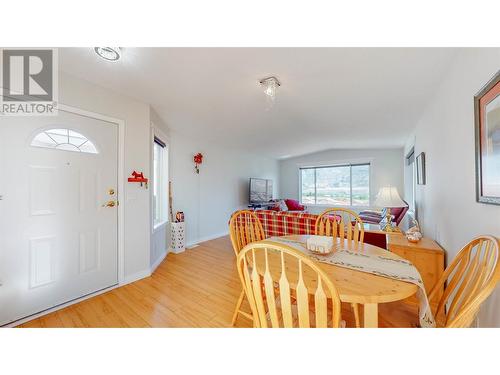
(414, 234)
(179, 217)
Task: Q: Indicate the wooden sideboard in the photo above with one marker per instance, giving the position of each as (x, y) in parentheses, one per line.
(426, 255)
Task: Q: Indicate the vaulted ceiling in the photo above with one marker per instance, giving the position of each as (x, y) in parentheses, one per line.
(329, 97)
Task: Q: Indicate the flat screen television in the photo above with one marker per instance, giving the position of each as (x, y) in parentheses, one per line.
(261, 190)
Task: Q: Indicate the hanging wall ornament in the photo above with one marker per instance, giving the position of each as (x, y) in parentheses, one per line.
(198, 159)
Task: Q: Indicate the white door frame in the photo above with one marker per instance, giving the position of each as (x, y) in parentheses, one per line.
(121, 176)
(121, 211)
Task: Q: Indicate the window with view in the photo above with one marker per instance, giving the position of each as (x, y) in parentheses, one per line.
(339, 185)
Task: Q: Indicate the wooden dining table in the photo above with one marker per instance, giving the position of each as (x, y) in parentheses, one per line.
(361, 287)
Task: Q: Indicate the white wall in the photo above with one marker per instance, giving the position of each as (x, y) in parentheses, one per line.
(386, 169)
(208, 199)
(446, 205)
(82, 94)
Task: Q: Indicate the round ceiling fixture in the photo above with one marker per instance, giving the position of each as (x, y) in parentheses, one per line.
(109, 53)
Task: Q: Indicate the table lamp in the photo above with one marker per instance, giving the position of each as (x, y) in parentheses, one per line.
(388, 197)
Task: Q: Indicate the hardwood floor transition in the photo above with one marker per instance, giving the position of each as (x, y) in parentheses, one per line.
(197, 288)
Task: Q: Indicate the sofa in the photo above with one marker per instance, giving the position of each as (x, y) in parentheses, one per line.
(283, 223)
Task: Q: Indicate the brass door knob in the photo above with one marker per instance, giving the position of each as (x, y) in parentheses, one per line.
(109, 204)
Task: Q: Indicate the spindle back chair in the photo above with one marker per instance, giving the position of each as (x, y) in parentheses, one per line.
(340, 223)
(467, 281)
(285, 288)
(244, 228)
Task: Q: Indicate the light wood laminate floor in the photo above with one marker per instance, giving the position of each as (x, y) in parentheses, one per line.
(197, 288)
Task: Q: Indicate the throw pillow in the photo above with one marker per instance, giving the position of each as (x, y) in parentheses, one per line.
(294, 205)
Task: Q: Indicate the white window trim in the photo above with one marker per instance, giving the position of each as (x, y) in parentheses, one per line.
(336, 163)
(155, 132)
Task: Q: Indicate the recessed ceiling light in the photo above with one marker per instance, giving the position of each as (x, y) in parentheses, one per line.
(109, 53)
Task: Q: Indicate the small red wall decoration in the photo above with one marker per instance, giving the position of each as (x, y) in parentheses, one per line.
(198, 159)
(138, 177)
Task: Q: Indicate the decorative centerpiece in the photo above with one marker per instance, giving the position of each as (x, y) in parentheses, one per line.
(414, 234)
(321, 245)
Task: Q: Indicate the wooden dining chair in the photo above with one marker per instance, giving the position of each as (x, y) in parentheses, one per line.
(304, 297)
(467, 282)
(244, 228)
(342, 223)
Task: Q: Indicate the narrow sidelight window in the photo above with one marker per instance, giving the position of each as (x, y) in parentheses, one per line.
(160, 182)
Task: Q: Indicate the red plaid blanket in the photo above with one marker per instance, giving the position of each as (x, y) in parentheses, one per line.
(279, 223)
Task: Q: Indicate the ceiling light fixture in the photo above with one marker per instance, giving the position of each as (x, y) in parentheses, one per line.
(270, 85)
(109, 53)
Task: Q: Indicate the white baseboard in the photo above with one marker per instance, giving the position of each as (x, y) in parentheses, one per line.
(59, 307)
(136, 276)
(158, 261)
(127, 280)
(175, 251)
(206, 238)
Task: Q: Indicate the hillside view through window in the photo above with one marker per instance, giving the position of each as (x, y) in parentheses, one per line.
(343, 185)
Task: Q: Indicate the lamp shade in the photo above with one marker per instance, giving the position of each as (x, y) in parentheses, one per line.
(388, 197)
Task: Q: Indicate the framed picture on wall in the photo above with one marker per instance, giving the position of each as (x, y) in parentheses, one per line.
(487, 130)
(421, 168)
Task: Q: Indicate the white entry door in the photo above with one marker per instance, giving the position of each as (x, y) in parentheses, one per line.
(58, 211)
